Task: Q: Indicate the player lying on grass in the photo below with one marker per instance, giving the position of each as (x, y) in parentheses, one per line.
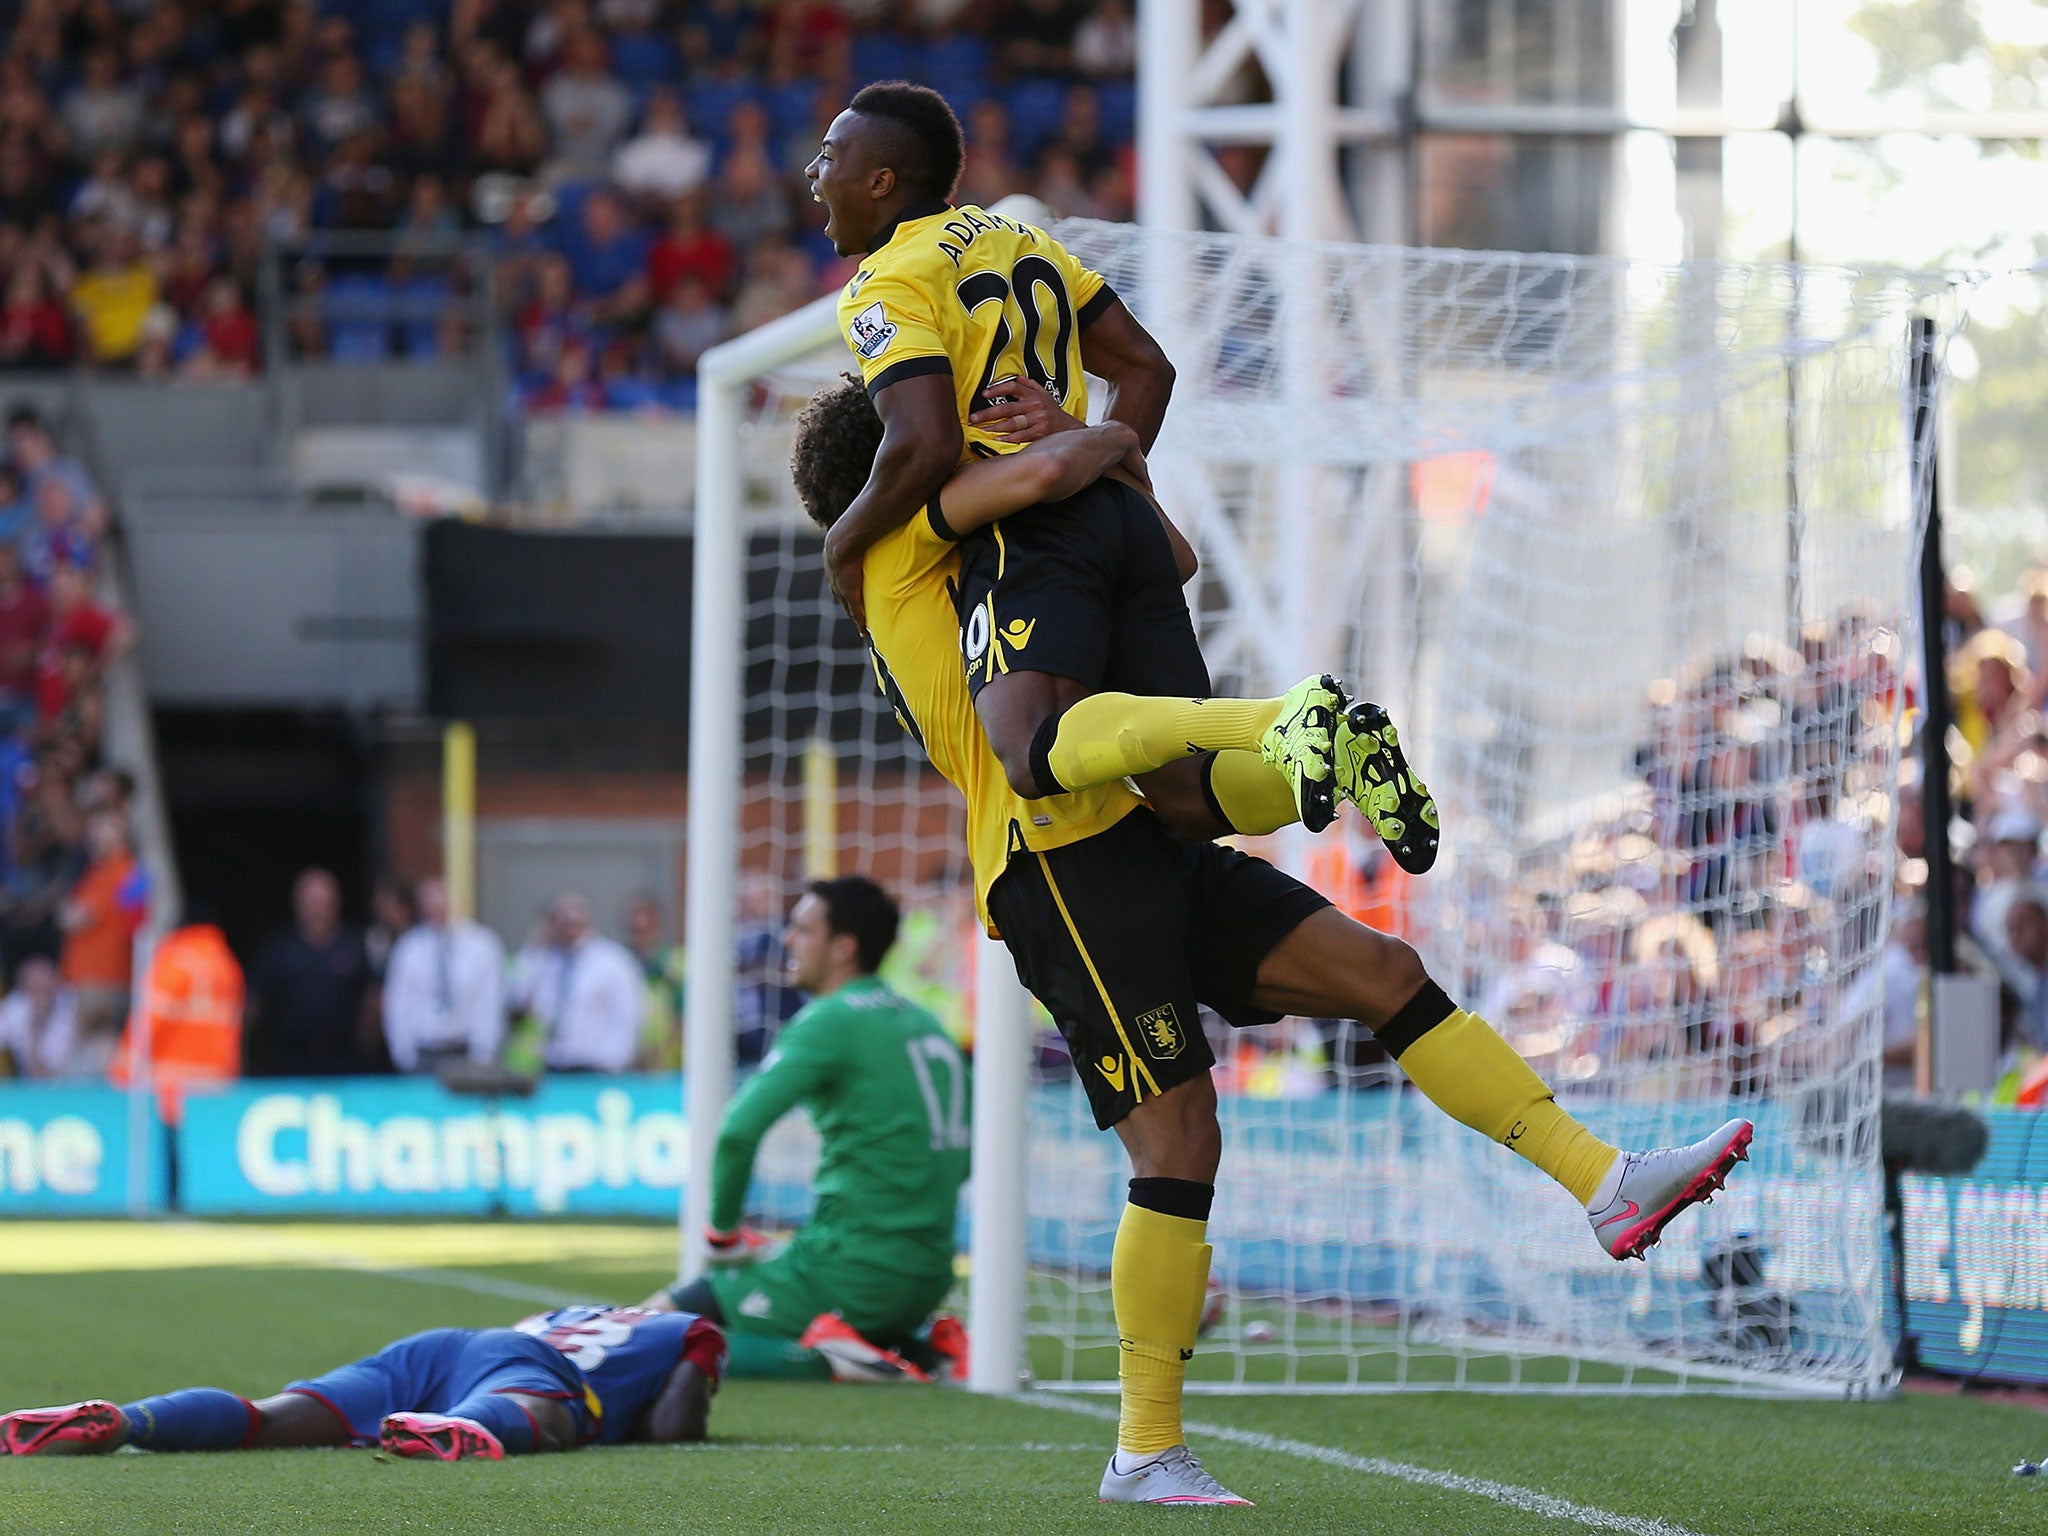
(555, 1382)
(1077, 682)
(889, 1094)
(1122, 930)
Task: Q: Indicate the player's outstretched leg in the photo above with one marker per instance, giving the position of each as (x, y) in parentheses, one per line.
(1644, 1190)
(1332, 967)
(1373, 774)
(852, 1357)
(90, 1428)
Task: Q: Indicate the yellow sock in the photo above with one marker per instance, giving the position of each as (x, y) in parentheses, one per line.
(1252, 794)
(1477, 1078)
(1158, 1280)
(1111, 736)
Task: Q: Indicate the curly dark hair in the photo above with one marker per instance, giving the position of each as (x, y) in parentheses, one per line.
(837, 436)
(922, 141)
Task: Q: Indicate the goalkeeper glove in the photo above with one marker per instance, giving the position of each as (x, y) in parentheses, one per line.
(741, 1245)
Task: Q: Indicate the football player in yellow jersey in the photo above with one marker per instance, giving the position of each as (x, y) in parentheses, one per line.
(949, 300)
(1121, 929)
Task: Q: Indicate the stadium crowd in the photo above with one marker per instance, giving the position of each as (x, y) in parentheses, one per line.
(633, 165)
(72, 895)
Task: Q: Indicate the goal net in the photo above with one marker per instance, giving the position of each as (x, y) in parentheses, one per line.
(1627, 551)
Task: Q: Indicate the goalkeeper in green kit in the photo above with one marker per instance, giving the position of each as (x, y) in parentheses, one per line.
(852, 1295)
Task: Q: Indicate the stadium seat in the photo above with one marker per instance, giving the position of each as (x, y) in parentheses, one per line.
(357, 309)
(707, 106)
(790, 106)
(882, 56)
(1036, 106)
(681, 394)
(421, 304)
(956, 62)
(643, 59)
(1119, 99)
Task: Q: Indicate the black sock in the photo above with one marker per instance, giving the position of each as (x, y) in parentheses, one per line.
(1174, 1197)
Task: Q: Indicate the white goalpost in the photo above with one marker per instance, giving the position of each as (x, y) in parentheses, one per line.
(1627, 549)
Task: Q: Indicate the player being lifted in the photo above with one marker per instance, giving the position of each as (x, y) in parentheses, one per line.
(1119, 927)
(889, 1093)
(556, 1381)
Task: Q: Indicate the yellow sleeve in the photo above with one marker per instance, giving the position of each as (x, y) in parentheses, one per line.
(891, 326)
(1090, 293)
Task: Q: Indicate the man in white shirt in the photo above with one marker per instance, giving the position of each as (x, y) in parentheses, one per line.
(444, 989)
(663, 161)
(586, 992)
(39, 1025)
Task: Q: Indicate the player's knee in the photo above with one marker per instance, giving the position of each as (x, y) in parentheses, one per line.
(554, 1426)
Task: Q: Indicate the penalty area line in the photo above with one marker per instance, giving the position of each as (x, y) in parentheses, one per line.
(1527, 1500)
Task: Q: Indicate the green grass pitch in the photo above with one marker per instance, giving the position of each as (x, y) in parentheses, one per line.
(101, 1309)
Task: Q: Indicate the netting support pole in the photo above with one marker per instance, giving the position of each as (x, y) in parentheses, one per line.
(717, 588)
(997, 1198)
(1941, 899)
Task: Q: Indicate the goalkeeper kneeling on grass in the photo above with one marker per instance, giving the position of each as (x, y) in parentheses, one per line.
(852, 1295)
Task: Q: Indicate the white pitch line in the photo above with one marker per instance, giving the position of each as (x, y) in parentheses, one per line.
(1525, 1499)
(1036, 1447)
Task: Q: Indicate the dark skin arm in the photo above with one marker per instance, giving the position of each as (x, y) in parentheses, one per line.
(921, 441)
(682, 1412)
(1122, 353)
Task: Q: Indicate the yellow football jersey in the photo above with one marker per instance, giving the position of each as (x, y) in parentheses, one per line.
(981, 296)
(914, 644)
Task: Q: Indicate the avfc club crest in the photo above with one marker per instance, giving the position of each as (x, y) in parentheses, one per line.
(871, 331)
(1162, 1032)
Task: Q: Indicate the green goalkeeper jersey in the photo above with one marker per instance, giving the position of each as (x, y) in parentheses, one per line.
(888, 1091)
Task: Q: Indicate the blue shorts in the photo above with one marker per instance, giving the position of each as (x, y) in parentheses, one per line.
(433, 1372)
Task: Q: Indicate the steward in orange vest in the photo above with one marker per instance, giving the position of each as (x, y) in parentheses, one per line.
(192, 995)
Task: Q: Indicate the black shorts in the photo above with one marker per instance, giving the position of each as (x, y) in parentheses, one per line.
(1084, 588)
(1120, 935)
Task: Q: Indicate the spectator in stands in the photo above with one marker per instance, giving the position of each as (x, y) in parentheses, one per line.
(990, 171)
(102, 112)
(194, 997)
(23, 617)
(444, 989)
(509, 134)
(307, 989)
(35, 330)
(1035, 36)
(761, 1002)
(806, 39)
(2026, 936)
(690, 247)
(1061, 188)
(39, 1026)
(100, 919)
(662, 162)
(357, 192)
(608, 260)
(429, 226)
(45, 855)
(33, 450)
(1905, 968)
(587, 110)
(76, 623)
(750, 207)
(662, 972)
(687, 326)
(226, 340)
(2008, 855)
(340, 107)
(778, 280)
(1106, 41)
(114, 298)
(421, 141)
(61, 532)
(584, 990)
